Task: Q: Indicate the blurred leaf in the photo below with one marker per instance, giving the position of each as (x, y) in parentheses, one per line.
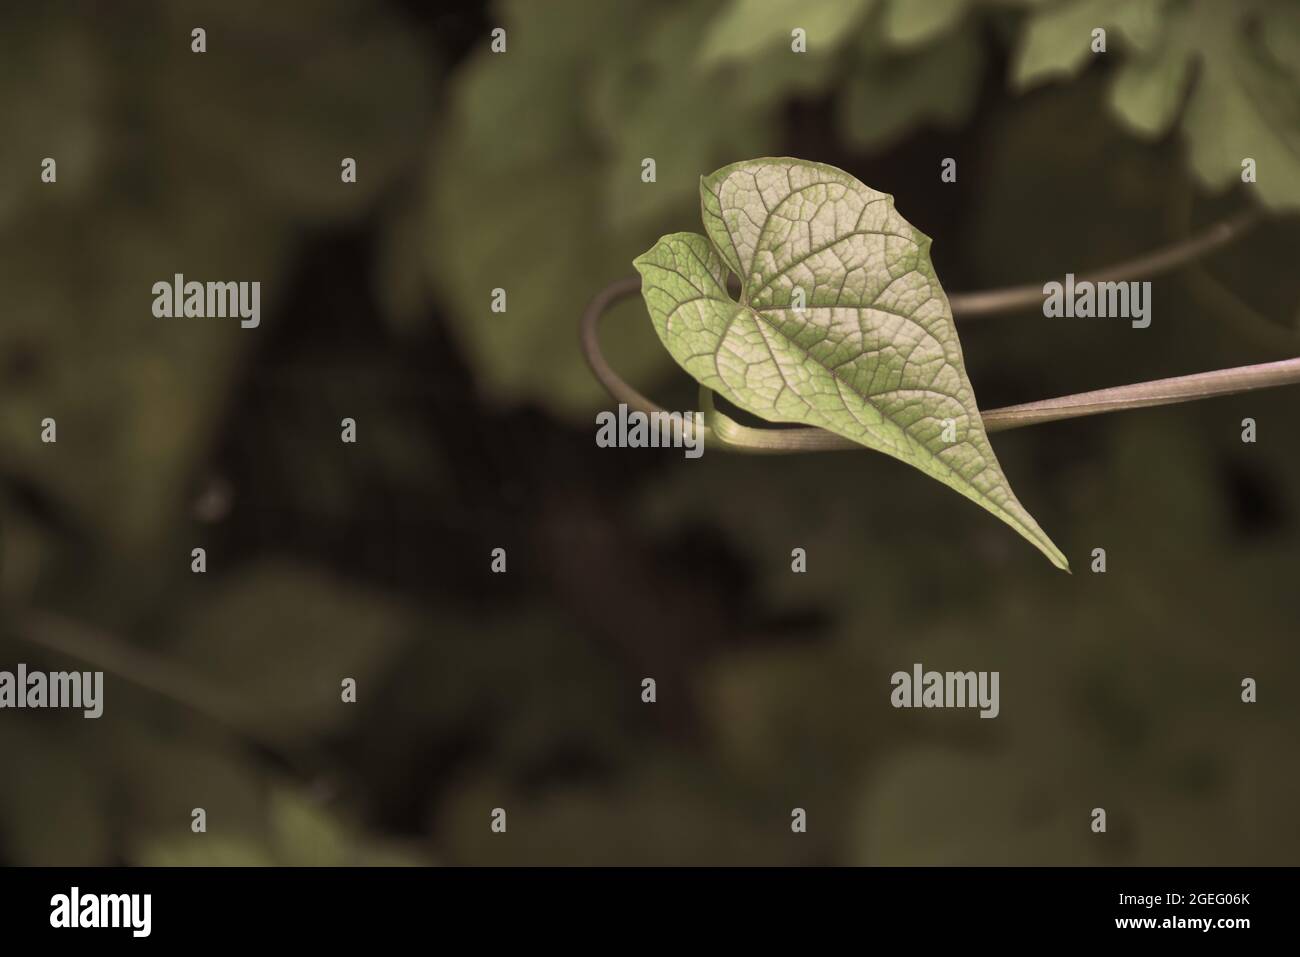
(286, 636)
(309, 82)
(639, 110)
(135, 398)
(204, 850)
(1243, 106)
(1245, 95)
(912, 22)
(1057, 42)
(936, 808)
(668, 811)
(606, 110)
(1280, 31)
(1148, 93)
(566, 185)
(216, 193)
(889, 95)
(746, 28)
(164, 773)
(520, 212)
(1058, 39)
(297, 832)
(52, 80)
(304, 833)
(788, 228)
(52, 800)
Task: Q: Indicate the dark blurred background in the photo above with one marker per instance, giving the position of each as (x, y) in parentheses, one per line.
(522, 690)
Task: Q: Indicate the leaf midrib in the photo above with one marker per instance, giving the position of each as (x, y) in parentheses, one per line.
(761, 321)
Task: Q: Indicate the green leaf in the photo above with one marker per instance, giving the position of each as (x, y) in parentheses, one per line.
(286, 635)
(913, 22)
(1148, 92)
(1280, 33)
(1058, 41)
(1243, 106)
(889, 96)
(53, 805)
(747, 28)
(542, 189)
(139, 401)
(637, 109)
(1233, 65)
(912, 814)
(872, 356)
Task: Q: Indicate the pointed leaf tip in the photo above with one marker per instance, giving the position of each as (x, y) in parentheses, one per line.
(841, 323)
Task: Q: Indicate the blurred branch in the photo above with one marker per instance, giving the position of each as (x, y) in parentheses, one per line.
(67, 637)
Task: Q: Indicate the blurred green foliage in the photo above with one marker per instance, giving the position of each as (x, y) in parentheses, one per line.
(547, 140)
(151, 139)
(1227, 74)
(522, 170)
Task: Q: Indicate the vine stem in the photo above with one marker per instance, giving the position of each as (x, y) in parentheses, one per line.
(968, 305)
(736, 437)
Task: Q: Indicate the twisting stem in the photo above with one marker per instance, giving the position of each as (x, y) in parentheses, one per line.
(589, 333)
(1141, 395)
(966, 305)
(733, 436)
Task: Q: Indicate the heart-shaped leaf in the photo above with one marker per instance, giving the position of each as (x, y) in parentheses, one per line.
(841, 323)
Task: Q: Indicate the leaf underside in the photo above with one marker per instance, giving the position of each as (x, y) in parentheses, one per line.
(872, 355)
